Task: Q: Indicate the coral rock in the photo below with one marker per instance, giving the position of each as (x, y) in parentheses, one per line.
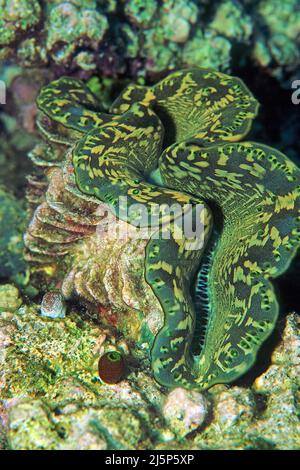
(78, 412)
(185, 411)
(17, 17)
(234, 405)
(9, 298)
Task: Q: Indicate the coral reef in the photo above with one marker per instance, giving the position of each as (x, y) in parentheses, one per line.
(70, 26)
(137, 40)
(61, 403)
(10, 299)
(16, 18)
(55, 343)
(146, 38)
(281, 44)
(231, 21)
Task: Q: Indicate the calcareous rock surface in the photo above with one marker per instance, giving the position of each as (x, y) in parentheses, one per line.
(62, 404)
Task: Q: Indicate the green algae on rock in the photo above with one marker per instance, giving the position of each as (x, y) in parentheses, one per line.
(149, 38)
(10, 299)
(209, 50)
(140, 11)
(17, 17)
(76, 411)
(236, 293)
(281, 45)
(231, 21)
(77, 24)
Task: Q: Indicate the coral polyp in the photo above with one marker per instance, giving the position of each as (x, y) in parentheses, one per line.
(178, 144)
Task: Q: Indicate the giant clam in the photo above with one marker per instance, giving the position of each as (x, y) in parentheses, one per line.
(177, 143)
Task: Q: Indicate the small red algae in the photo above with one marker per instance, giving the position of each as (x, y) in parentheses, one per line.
(108, 315)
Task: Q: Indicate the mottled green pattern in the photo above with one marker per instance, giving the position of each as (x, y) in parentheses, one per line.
(185, 130)
(71, 109)
(257, 189)
(205, 105)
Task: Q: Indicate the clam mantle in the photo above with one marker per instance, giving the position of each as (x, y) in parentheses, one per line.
(180, 142)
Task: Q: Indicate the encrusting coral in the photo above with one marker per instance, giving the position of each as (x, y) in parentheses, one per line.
(177, 145)
(280, 46)
(148, 38)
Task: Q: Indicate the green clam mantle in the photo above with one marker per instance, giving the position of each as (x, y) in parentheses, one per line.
(187, 130)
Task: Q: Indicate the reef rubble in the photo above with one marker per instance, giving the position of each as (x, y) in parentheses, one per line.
(62, 404)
